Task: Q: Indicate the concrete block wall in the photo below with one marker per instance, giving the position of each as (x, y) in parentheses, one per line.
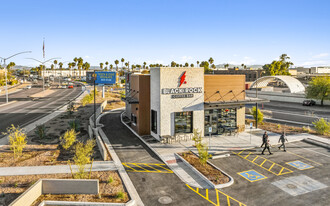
(56, 186)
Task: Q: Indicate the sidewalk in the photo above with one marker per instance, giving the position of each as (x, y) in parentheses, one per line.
(34, 170)
(249, 139)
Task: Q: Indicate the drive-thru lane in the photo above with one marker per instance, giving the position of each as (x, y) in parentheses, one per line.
(151, 186)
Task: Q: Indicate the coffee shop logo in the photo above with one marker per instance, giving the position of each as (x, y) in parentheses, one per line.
(183, 79)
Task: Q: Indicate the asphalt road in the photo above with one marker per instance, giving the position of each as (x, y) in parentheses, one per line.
(293, 113)
(261, 189)
(150, 186)
(24, 110)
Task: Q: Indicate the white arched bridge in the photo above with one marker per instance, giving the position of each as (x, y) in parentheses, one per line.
(294, 85)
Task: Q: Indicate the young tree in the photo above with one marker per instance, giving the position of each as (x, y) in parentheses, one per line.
(322, 126)
(206, 66)
(101, 65)
(197, 63)
(254, 114)
(211, 60)
(319, 88)
(83, 154)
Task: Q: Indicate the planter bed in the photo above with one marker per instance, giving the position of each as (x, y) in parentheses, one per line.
(13, 186)
(39, 155)
(215, 177)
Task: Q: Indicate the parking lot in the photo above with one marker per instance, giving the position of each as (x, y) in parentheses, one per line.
(299, 176)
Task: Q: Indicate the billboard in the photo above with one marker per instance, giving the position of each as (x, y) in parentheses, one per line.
(101, 77)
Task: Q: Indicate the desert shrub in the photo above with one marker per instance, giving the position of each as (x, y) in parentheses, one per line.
(41, 131)
(87, 99)
(17, 140)
(121, 195)
(203, 153)
(197, 137)
(82, 157)
(306, 129)
(254, 114)
(69, 137)
(110, 179)
(74, 124)
(70, 108)
(322, 126)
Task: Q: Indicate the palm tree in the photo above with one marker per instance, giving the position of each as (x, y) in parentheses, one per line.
(55, 62)
(61, 65)
(226, 66)
(52, 67)
(80, 64)
(173, 64)
(126, 65)
(101, 65)
(106, 63)
(191, 65)
(186, 64)
(197, 63)
(144, 64)
(111, 67)
(211, 60)
(122, 62)
(242, 65)
(75, 61)
(116, 62)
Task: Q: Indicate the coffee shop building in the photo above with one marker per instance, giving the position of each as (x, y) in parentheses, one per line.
(176, 100)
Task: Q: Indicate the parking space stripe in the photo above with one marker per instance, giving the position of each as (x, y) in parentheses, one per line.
(145, 167)
(228, 199)
(164, 168)
(264, 161)
(130, 167)
(304, 158)
(139, 166)
(152, 167)
(271, 167)
(248, 155)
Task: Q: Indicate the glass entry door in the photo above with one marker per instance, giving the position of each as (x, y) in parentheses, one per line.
(211, 120)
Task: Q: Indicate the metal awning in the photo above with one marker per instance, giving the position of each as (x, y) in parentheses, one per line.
(236, 103)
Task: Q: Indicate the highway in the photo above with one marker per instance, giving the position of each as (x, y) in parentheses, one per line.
(293, 113)
(25, 110)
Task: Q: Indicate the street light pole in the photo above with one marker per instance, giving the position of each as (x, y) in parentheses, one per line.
(43, 65)
(5, 67)
(257, 101)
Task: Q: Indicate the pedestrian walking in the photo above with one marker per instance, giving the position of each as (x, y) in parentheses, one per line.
(264, 137)
(267, 145)
(282, 139)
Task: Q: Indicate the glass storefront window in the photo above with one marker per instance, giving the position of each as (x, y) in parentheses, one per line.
(183, 122)
(221, 120)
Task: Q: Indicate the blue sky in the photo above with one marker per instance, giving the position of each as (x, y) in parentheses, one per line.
(159, 31)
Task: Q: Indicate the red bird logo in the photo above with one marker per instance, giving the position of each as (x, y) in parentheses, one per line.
(183, 79)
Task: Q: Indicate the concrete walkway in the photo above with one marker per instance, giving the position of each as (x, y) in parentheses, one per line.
(34, 170)
(219, 144)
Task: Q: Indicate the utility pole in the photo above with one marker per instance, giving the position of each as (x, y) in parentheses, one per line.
(5, 67)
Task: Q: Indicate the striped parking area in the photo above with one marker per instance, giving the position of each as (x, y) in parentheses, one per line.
(146, 167)
(264, 163)
(216, 197)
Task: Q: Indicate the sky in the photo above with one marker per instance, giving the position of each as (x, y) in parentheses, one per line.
(161, 31)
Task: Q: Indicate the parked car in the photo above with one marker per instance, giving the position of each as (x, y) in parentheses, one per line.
(308, 102)
(28, 87)
(70, 86)
(63, 87)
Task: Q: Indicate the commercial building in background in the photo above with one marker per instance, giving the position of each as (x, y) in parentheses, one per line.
(178, 100)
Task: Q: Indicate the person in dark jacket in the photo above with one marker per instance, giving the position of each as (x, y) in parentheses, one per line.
(264, 137)
(267, 145)
(282, 139)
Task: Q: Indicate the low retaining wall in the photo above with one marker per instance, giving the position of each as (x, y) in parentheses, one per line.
(56, 186)
(92, 132)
